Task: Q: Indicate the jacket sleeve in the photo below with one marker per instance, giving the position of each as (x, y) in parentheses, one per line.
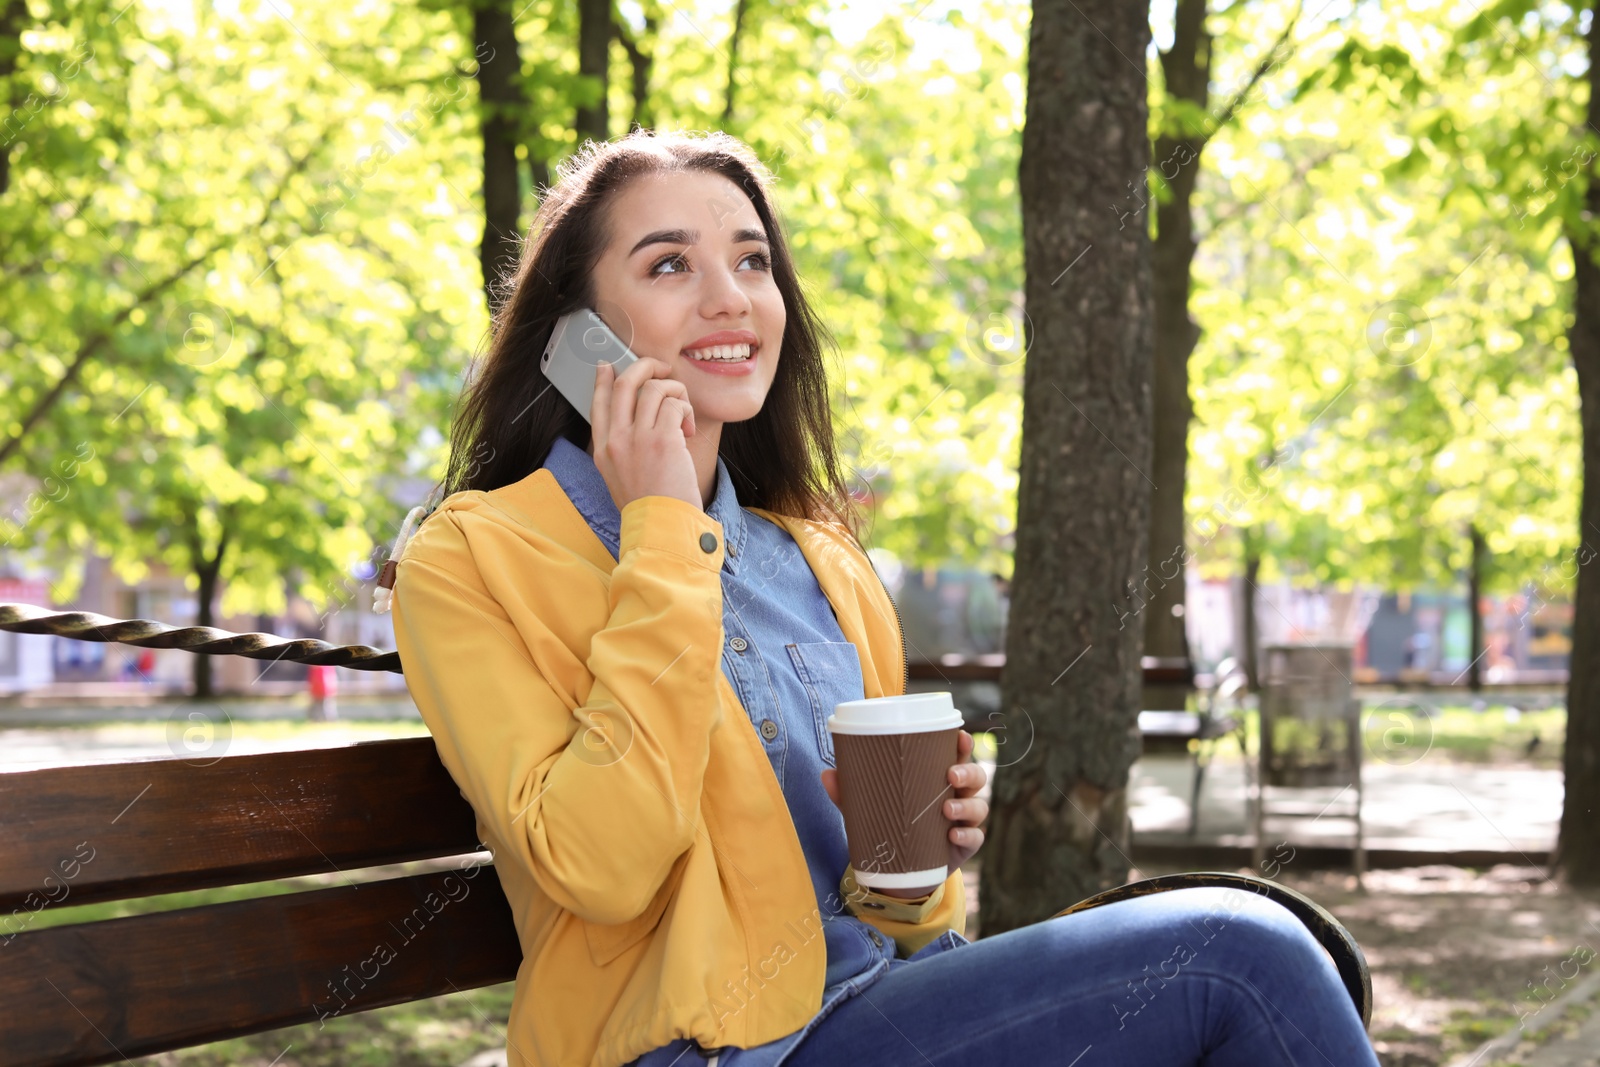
(911, 921)
(599, 800)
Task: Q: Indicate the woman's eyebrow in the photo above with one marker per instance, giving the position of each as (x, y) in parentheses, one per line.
(690, 237)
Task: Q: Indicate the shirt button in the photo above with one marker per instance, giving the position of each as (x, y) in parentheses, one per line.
(738, 644)
(708, 542)
(769, 729)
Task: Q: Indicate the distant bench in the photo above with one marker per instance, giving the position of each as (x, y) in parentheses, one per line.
(987, 667)
(1162, 731)
(1166, 732)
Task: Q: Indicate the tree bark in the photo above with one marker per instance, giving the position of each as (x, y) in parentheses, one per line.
(1578, 850)
(1186, 67)
(1475, 608)
(500, 102)
(594, 61)
(1071, 684)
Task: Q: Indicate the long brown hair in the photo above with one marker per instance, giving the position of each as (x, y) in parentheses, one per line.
(783, 459)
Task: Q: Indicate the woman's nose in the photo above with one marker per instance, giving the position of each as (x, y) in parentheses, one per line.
(723, 295)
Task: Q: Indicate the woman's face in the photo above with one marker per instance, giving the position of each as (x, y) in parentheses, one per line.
(687, 274)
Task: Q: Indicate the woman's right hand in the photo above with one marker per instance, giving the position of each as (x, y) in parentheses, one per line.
(641, 422)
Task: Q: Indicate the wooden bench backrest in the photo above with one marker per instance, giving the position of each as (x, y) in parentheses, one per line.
(103, 991)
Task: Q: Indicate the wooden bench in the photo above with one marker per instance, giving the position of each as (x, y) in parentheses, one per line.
(93, 992)
(99, 992)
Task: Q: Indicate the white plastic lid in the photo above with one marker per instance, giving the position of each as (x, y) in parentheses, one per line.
(912, 713)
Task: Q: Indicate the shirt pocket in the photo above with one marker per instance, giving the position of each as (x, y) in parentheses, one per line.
(830, 671)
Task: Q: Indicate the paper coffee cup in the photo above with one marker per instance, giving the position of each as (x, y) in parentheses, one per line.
(893, 755)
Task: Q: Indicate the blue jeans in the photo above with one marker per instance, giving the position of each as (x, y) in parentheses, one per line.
(1220, 977)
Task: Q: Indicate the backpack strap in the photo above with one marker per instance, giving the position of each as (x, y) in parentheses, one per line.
(383, 595)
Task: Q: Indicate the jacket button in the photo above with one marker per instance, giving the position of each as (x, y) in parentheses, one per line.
(708, 542)
(769, 729)
(738, 644)
(877, 938)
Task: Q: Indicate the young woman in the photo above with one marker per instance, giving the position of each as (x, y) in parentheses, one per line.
(626, 639)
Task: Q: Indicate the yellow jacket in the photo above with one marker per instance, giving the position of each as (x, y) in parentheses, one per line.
(654, 873)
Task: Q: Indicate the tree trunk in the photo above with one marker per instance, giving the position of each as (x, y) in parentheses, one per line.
(1475, 608)
(1186, 66)
(1578, 851)
(1252, 633)
(500, 104)
(1060, 811)
(538, 174)
(641, 63)
(13, 18)
(739, 10)
(594, 61)
(207, 571)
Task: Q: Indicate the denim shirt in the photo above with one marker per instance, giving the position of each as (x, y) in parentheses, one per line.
(786, 657)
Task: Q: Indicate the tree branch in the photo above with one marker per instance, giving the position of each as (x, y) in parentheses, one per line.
(1240, 207)
(739, 11)
(1267, 62)
(96, 341)
(39, 261)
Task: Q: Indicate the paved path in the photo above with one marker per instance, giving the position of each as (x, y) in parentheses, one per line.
(1430, 805)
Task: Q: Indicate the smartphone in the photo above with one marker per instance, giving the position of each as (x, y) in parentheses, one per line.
(580, 342)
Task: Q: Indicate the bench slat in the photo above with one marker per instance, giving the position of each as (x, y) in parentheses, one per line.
(81, 835)
(99, 992)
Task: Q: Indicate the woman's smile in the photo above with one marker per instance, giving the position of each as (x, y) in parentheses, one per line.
(725, 352)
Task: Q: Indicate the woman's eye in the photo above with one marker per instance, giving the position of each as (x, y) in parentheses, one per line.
(678, 264)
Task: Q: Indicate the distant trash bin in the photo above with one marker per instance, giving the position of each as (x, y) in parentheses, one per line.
(1310, 737)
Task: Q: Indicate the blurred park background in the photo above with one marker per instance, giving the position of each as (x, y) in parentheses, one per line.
(246, 254)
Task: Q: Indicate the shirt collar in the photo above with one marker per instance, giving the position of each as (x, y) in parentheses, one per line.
(575, 471)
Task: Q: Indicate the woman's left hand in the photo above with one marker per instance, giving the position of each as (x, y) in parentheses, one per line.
(966, 809)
